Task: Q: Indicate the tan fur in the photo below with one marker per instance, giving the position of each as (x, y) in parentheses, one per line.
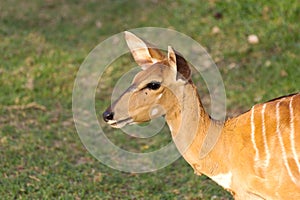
(234, 153)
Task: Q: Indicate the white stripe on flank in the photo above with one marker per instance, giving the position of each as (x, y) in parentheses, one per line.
(282, 144)
(266, 163)
(253, 135)
(292, 135)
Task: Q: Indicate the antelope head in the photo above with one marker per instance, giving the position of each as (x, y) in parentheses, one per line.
(152, 92)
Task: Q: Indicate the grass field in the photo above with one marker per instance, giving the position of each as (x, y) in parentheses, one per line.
(42, 45)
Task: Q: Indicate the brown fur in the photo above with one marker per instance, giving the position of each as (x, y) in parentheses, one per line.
(234, 151)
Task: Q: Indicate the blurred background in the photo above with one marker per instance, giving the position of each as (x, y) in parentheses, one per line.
(256, 45)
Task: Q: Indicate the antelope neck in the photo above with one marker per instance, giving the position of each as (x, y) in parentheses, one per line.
(189, 124)
(187, 111)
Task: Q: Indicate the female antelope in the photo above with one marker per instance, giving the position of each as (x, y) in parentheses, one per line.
(257, 155)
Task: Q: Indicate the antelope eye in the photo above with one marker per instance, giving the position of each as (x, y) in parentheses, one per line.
(153, 85)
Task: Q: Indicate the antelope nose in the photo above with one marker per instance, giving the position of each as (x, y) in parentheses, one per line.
(108, 115)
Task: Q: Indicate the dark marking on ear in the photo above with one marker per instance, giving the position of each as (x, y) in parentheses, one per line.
(183, 68)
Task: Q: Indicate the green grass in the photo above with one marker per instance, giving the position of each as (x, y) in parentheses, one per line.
(43, 43)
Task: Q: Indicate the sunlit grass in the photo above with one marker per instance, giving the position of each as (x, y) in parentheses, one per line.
(43, 43)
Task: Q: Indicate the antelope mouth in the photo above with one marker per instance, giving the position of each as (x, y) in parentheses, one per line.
(120, 123)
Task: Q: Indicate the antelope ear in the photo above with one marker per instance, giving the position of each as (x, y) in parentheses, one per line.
(179, 64)
(144, 53)
(172, 58)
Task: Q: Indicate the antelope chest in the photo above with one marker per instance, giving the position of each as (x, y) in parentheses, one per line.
(223, 179)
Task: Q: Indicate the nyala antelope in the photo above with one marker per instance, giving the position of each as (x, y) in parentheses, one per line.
(257, 155)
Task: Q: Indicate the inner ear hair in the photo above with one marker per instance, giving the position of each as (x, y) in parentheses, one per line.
(155, 52)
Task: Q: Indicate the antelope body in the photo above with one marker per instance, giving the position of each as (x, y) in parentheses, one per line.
(257, 155)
